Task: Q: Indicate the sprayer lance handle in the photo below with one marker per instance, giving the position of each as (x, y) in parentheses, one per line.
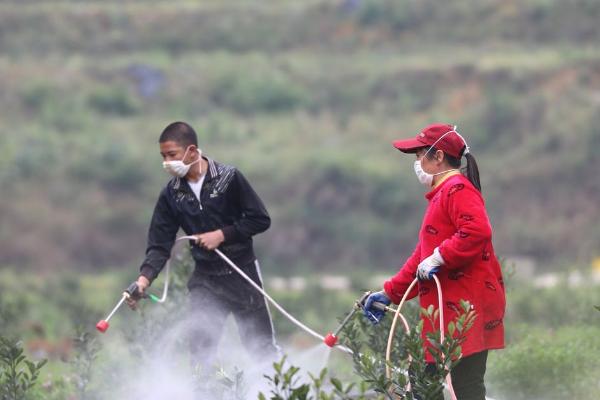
(134, 291)
(380, 306)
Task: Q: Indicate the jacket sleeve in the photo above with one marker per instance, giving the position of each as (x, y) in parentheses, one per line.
(397, 285)
(466, 210)
(253, 216)
(161, 237)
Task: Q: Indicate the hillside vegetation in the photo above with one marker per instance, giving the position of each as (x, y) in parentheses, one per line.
(304, 97)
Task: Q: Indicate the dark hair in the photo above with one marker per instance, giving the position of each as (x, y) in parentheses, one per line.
(471, 171)
(179, 132)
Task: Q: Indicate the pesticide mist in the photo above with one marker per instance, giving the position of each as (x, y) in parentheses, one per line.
(153, 362)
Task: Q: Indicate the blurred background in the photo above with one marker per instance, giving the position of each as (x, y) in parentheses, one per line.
(305, 98)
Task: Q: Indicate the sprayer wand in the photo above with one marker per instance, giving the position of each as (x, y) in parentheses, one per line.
(102, 326)
(132, 291)
(332, 337)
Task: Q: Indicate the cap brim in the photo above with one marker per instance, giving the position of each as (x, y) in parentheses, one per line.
(409, 145)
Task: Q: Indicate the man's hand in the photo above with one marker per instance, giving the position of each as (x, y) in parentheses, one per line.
(373, 314)
(210, 240)
(142, 283)
(430, 265)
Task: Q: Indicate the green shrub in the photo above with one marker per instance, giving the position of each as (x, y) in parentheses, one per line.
(36, 96)
(286, 385)
(548, 365)
(248, 93)
(87, 349)
(551, 307)
(369, 347)
(12, 308)
(114, 100)
(18, 375)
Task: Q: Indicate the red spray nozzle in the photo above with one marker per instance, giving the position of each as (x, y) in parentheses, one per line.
(102, 326)
(330, 340)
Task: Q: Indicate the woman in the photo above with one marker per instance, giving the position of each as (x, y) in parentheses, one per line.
(454, 244)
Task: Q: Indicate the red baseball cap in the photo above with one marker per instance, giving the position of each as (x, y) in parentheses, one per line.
(443, 136)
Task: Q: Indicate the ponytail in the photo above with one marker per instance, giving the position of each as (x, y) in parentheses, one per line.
(471, 171)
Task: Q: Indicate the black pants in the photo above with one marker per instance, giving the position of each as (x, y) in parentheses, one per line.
(213, 298)
(468, 377)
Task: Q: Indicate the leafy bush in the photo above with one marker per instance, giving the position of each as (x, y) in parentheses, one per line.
(408, 354)
(552, 307)
(368, 345)
(115, 100)
(549, 365)
(11, 311)
(248, 93)
(87, 349)
(18, 375)
(286, 386)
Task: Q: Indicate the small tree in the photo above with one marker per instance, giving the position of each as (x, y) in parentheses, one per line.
(368, 343)
(18, 375)
(408, 362)
(286, 385)
(87, 349)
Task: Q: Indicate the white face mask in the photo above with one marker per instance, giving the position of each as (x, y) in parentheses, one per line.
(178, 167)
(424, 177)
(427, 178)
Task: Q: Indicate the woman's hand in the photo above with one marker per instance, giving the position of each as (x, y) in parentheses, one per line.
(430, 265)
(373, 313)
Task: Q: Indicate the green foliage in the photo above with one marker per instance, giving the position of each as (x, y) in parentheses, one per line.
(285, 385)
(249, 93)
(551, 365)
(221, 384)
(553, 307)
(408, 355)
(115, 100)
(18, 375)
(11, 312)
(306, 98)
(398, 14)
(149, 327)
(87, 349)
(368, 344)
(123, 174)
(59, 388)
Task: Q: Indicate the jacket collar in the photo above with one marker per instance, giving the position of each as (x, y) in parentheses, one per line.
(213, 171)
(453, 178)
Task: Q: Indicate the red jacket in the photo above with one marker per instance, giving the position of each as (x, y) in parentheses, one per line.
(457, 223)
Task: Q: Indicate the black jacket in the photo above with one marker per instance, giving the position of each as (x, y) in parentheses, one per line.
(227, 202)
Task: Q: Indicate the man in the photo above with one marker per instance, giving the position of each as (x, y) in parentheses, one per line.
(215, 203)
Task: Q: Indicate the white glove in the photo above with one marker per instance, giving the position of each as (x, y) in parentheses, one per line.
(430, 265)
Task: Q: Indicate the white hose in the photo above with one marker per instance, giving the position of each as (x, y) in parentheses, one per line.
(393, 329)
(257, 287)
(163, 298)
(442, 335)
(312, 332)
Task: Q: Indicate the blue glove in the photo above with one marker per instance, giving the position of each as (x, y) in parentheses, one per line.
(373, 314)
(430, 265)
